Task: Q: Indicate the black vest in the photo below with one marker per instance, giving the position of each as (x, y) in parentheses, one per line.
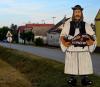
(81, 27)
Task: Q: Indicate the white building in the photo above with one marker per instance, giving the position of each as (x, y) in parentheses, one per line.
(53, 37)
(54, 33)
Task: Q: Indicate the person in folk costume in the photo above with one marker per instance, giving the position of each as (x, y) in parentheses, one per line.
(77, 58)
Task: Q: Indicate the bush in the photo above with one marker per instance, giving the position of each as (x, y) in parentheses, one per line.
(39, 42)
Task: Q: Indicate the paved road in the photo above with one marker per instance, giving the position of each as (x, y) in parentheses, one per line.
(54, 54)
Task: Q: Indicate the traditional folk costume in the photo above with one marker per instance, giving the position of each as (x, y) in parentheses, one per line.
(77, 56)
(77, 59)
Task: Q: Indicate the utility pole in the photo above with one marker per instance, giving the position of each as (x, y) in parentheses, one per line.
(43, 21)
(53, 19)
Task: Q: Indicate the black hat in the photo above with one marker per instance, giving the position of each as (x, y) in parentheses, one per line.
(77, 7)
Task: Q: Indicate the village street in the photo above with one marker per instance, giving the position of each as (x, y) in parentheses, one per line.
(50, 53)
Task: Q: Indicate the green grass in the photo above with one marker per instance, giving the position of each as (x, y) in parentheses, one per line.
(32, 71)
(10, 77)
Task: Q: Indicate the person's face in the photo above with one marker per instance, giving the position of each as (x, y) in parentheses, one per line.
(77, 14)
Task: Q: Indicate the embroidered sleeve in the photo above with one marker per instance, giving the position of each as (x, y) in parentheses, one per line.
(65, 29)
(89, 30)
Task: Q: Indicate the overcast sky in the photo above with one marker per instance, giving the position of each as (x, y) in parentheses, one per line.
(24, 11)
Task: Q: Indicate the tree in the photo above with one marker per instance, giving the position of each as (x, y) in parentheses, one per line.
(27, 36)
(30, 36)
(14, 31)
(13, 27)
(23, 36)
(39, 42)
(3, 32)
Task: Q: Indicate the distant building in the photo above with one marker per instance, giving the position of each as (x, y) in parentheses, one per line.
(53, 37)
(54, 33)
(97, 26)
(39, 30)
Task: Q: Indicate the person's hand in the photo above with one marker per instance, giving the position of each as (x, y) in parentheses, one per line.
(67, 44)
(89, 42)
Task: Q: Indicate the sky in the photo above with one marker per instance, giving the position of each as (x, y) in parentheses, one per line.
(21, 12)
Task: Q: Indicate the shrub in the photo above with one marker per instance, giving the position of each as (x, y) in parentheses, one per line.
(39, 42)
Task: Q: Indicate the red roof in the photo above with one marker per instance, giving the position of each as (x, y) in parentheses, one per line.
(30, 26)
(39, 25)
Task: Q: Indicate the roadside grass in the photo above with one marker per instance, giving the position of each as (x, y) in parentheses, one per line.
(38, 71)
(10, 77)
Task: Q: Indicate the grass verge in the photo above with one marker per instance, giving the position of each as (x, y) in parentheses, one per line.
(36, 71)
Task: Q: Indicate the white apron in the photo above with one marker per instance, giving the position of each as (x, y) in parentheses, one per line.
(77, 59)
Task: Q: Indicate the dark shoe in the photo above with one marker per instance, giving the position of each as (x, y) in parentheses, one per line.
(72, 81)
(86, 81)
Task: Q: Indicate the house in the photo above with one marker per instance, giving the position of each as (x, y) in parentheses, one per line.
(54, 33)
(97, 26)
(39, 30)
(53, 37)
